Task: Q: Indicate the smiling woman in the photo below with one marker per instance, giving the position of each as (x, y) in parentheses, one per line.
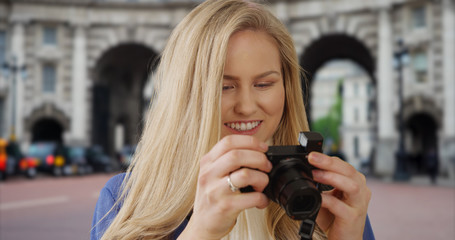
(252, 101)
(231, 71)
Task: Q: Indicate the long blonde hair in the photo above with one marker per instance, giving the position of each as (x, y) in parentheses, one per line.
(184, 120)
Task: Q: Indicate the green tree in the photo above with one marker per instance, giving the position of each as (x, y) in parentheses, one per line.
(329, 124)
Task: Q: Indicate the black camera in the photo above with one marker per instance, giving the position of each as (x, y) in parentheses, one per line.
(291, 181)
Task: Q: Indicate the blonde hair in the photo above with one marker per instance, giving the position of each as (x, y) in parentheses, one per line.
(184, 120)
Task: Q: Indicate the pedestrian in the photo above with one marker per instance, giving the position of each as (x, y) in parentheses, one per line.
(432, 164)
(227, 86)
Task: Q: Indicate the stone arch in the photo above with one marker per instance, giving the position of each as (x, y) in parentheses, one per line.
(422, 119)
(119, 77)
(421, 104)
(48, 123)
(334, 46)
(111, 40)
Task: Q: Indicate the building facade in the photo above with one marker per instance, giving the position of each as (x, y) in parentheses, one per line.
(77, 70)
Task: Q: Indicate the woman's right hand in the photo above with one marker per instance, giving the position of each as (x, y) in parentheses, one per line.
(216, 206)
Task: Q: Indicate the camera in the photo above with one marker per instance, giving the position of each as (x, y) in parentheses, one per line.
(291, 181)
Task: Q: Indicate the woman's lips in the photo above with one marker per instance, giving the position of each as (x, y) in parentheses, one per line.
(243, 127)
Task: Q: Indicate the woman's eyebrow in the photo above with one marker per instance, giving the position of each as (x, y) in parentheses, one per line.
(262, 75)
(259, 76)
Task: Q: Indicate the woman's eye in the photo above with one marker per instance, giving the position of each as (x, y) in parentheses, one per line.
(263, 85)
(227, 87)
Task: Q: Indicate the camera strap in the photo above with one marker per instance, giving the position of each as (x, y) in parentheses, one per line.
(307, 228)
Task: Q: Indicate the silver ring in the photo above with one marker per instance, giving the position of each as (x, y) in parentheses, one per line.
(232, 186)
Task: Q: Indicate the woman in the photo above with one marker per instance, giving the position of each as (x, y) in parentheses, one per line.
(228, 85)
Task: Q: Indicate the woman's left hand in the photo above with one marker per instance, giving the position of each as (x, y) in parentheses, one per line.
(344, 209)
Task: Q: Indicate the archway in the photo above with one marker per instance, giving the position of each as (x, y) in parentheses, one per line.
(422, 141)
(330, 47)
(47, 129)
(47, 123)
(348, 102)
(336, 46)
(119, 78)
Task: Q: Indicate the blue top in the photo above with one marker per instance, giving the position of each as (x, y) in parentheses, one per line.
(108, 197)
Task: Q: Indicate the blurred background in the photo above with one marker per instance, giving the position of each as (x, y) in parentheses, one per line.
(75, 85)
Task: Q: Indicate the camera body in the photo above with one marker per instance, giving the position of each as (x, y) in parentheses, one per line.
(291, 181)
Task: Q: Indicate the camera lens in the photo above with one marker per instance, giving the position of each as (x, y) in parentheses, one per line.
(291, 187)
(303, 204)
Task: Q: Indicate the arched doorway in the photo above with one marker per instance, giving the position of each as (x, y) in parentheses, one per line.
(342, 102)
(47, 129)
(331, 47)
(422, 142)
(119, 78)
(47, 123)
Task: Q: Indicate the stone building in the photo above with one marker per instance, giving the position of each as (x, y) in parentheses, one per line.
(82, 66)
(345, 81)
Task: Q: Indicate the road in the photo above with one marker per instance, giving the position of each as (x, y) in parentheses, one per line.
(48, 208)
(414, 211)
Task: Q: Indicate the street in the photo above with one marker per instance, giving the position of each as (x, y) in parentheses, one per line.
(49, 208)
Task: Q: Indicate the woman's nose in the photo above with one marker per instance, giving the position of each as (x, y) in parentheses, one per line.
(246, 103)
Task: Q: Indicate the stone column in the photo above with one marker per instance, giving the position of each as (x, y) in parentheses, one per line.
(18, 53)
(384, 160)
(448, 138)
(79, 86)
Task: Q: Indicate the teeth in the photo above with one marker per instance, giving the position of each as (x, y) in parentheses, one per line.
(243, 126)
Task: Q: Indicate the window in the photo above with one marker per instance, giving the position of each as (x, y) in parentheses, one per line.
(369, 89)
(356, 115)
(356, 147)
(420, 65)
(356, 89)
(49, 78)
(2, 116)
(2, 46)
(369, 111)
(50, 35)
(418, 17)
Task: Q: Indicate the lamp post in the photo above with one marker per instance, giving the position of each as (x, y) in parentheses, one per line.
(401, 172)
(13, 68)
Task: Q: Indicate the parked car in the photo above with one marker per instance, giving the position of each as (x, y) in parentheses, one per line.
(13, 162)
(50, 156)
(6, 162)
(23, 165)
(99, 160)
(125, 155)
(77, 160)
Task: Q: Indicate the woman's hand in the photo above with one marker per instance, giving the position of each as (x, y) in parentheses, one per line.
(344, 209)
(216, 206)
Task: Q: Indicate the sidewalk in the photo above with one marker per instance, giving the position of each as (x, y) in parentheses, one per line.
(412, 210)
(424, 181)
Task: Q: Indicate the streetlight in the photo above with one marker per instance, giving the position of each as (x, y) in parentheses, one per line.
(401, 172)
(13, 68)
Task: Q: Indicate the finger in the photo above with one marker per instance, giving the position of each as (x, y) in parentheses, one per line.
(332, 164)
(230, 204)
(336, 206)
(340, 182)
(251, 200)
(237, 159)
(231, 142)
(248, 177)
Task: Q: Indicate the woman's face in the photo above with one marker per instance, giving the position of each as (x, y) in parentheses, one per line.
(253, 96)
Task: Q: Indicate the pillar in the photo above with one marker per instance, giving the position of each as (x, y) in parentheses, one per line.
(386, 145)
(79, 86)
